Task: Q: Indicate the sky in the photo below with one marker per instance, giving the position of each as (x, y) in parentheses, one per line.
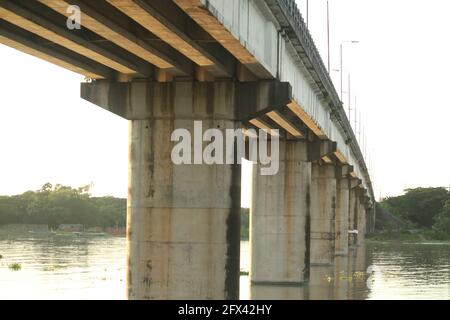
(399, 74)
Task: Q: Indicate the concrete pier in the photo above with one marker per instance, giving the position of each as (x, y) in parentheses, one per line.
(353, 213)
(279, 214)
(183, 230)
(183, 220)
(361, 221)
(323, 214)
(342, 216)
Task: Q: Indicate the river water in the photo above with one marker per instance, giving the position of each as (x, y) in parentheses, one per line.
(74, 267)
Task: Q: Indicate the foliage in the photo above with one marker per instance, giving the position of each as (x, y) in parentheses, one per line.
(62, 205)
(425, 208)
(441, 226)
(420, 206)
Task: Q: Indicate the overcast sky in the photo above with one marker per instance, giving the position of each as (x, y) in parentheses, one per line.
(399, 74)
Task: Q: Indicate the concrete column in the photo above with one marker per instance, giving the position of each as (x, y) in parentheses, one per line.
(278, 218)
(323, 214)
(361, 221)
(342, 216)
(183, 220)
(353, 217)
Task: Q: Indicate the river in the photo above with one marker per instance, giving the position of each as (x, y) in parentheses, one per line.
(74, 267)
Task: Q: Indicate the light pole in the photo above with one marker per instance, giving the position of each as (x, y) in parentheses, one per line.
(349, 101)
(307, 13)
(342, 45)
(360, 124)
(328, 33)
(356, 117)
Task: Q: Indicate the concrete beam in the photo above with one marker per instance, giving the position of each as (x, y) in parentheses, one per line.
(132, 100)
(171, 28)
(340, 157)
(258, 98)
(261, 124)
(344, 171)
(321, 148)
(25, 41)
(201, 15)
(108, 28)
(306, 119)
(51, 28)
(285, 124)
(355, 183)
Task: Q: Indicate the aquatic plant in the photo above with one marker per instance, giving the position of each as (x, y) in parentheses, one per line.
(15, 266)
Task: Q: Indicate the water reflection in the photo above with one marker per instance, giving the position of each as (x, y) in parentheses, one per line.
(410, 271)
(372, 271)
(70, 267)
(61, 267)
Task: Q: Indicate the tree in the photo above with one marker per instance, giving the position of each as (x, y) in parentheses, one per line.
(419, 206)
(441, 226)
(58, 204)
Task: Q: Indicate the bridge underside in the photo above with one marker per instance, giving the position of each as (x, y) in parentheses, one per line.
(163, 64)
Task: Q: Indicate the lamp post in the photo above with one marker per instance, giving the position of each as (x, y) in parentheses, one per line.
(328, 34)
(307, 13)
(349, 101)
(342, 45)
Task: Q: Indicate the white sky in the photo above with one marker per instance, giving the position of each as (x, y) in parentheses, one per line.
(399, 75)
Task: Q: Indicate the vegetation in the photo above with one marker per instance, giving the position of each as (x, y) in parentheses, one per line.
(425, 209)
(55, 205)
(15, 267)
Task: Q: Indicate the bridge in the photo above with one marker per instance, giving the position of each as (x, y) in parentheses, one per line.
(233, 64)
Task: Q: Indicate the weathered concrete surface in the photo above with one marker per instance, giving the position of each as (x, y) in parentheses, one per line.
(323, 214)
(361, 221)
(279, 213)
(183, 221)
(342, 216)
(353, 216)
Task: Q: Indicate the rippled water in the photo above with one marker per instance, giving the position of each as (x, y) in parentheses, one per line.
(410, 271)
(71, 267)
(61, 267)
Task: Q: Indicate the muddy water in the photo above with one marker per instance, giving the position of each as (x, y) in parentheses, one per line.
(74, 267)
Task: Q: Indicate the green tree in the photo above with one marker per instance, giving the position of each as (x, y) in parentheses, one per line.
(58, 204)
(441, 226)
(420, 206)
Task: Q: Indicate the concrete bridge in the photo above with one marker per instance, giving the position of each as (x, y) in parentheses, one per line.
(232, 64)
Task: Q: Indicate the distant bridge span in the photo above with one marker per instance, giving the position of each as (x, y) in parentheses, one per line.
(232, 63)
